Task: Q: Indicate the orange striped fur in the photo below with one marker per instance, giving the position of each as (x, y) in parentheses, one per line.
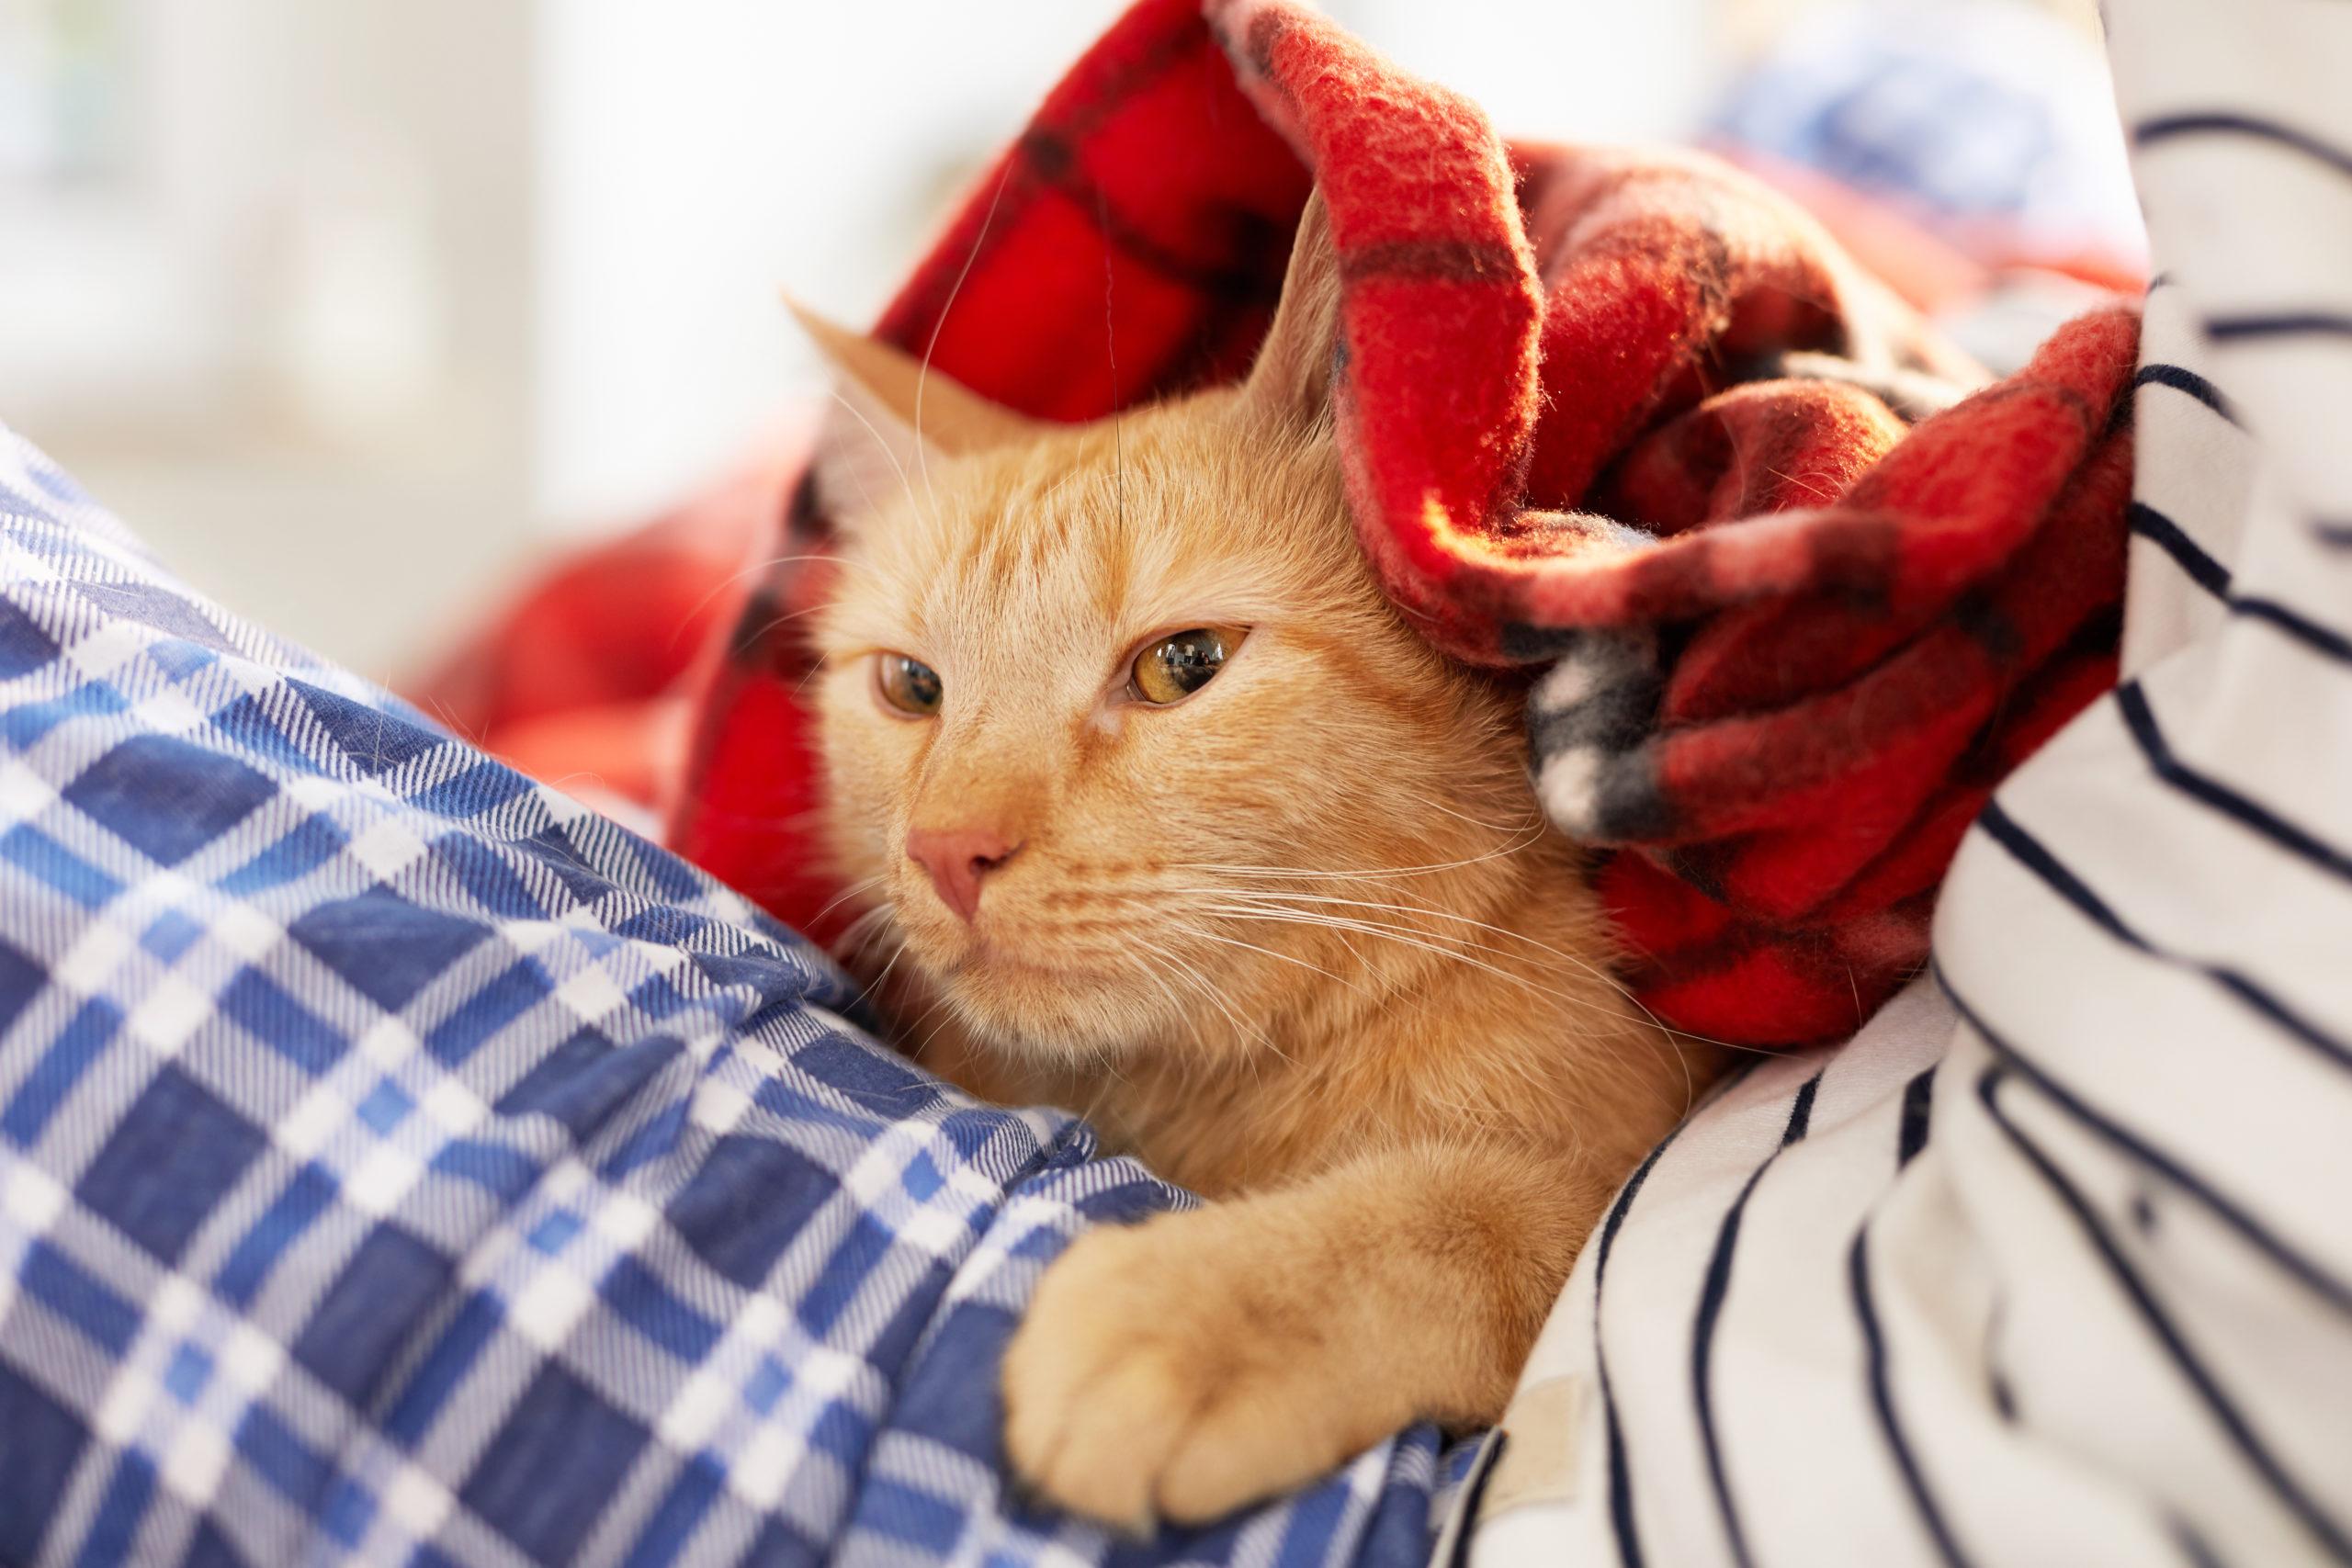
(1302, 941)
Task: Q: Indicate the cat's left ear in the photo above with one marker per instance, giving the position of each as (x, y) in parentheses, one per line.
(891, 416)
(1292, 378)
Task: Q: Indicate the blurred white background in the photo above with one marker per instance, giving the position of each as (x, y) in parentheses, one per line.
(352, 307)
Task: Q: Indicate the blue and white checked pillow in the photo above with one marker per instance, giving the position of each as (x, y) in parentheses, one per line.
(400, 1162)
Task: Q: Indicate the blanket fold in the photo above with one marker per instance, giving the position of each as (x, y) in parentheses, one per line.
(1631, 418)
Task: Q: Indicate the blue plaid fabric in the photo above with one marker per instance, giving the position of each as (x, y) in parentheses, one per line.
(400, 1162)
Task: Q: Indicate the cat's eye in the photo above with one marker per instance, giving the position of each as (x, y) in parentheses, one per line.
(1175, 666)
(908, 684)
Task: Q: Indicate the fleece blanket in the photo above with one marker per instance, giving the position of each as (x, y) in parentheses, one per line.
(401, 1162)
(1630, 420)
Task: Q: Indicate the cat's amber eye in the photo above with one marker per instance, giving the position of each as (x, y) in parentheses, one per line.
(908, 684)
(1175, 666)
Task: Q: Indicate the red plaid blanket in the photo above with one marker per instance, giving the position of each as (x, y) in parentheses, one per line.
(1791, 640)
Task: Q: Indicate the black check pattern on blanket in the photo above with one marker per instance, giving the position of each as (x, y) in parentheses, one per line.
(400, 1162)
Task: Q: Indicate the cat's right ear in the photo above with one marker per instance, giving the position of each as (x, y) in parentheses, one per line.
(891, 419)
(1292, 377)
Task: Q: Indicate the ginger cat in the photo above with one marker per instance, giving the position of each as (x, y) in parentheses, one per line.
(1158, 810)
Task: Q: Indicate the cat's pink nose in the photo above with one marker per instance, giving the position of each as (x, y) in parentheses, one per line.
(958, 858)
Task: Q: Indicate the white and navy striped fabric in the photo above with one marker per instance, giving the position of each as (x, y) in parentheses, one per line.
(2053, 1263)
(401, 1164)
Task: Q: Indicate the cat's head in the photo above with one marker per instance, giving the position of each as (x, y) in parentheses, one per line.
(1117, 727)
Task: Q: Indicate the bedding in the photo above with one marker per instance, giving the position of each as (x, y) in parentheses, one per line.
(1629, 422)
(2051, 1264)
(401, 1163)
(1621, 442)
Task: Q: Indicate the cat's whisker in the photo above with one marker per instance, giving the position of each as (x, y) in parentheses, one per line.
(853, 890)
(897, 952)
(1111, 354)
(858, 929)
(1208, 992)
(1430, 912)
(1408, 939)
(786, 619)
(938, 1003)
(1361, 873)
(1193, 931)
(852, 955)
(764, 818)
(883, 929)
(897, 468)
(1281, 874)
(1533, 823)
(1156, 965)
(770, 564)
(943, 1002)
(947, 307)
(1529, 818)
(1177, 1007)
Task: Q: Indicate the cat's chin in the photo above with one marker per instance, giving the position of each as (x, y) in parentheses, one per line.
(1043, 1013)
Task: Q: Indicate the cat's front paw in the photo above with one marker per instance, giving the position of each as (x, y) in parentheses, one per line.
(1164, 1373)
